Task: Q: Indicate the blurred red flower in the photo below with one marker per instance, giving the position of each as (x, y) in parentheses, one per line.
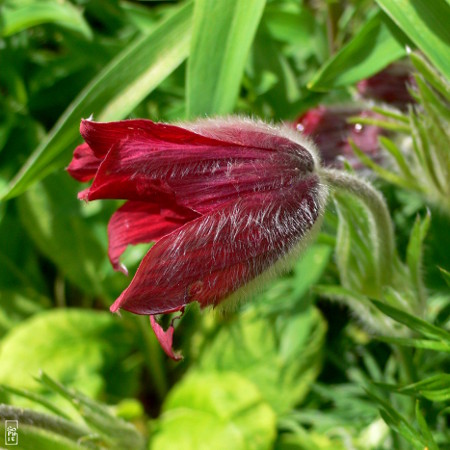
(389, 86)
(329, 128)
(227, 202)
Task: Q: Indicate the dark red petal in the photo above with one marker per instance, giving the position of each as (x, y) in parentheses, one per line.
(165, 338)
(197, 172)
(138, 222)
(102, 136)
(84, 164)
(209, 258)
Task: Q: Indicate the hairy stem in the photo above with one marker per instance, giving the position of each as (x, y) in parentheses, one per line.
(379, 211)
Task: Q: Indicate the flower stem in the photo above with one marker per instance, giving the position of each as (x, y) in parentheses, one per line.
(375, 202)
(153, 357)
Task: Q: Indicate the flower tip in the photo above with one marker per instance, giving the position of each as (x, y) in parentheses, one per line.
(165, 339)
(116, 305)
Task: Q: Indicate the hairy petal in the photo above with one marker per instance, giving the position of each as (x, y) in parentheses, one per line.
(214, 255)
(84, 164)
(196, 171)
(138, 222)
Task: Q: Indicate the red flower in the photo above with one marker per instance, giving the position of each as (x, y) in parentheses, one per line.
(226, 201)
(389, 86)
(330, 130)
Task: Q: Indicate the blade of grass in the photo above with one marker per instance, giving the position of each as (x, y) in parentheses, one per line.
(223, 32)
(112, 94)
(426, 24)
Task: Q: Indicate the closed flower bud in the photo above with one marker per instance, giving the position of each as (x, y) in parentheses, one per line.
(228, 203)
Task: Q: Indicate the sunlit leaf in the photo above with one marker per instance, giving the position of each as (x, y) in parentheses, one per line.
(223, 31)
(219, 410)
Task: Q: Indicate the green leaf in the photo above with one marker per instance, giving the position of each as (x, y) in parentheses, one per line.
(399, 423)
(19, 15)
(112, 94)
(223, 32)
(397, 154)
(435, 388)
(431, 444)
(430, 75)
(217, 410)
(53, 217)
(76, 346)
(376, 45)
(426, 24)
(416, 324)
(386, 174)
(445, 275)
(357, 247)
(414, 254)
(281, 356)
(426, 344)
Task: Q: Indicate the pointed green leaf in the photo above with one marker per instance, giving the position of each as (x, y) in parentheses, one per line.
(431, 443)
(396, 153)
(398, 422)
(416, 324)
(427, 344)
(223, 32)
(376, 45)
(435, 388)
(430, 75)
(414, 253)
(425, 22)
(112, 94)
(386, 174)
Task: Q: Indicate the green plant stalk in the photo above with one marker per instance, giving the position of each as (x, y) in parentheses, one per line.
(48, 422)
(152, 357)
(380, 213)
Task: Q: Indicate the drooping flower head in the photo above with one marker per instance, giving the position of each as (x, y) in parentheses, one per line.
(227, 202)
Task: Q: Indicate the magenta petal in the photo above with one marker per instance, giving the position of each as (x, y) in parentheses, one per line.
(214, 255)
(165, 338)
(84, 164)
(138, 222)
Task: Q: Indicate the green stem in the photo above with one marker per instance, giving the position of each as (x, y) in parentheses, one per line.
(153, 357)
(48, 422)
(379, 211)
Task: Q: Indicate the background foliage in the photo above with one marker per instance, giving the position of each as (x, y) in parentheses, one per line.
(328, 356)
